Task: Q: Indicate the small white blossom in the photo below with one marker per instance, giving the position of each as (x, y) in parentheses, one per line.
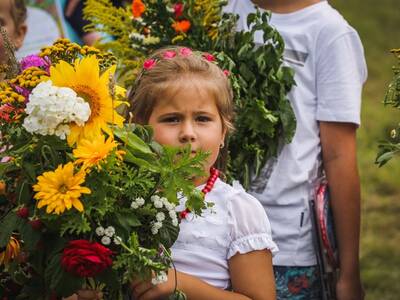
(160, 216)
(155, 198)
(117, 240)
(105, 240)
(100, 231)
(158, 204)
(140, 201)
(157, 225)
(154, 230)
(172, 214)
(109, 231)
(175, 222)
(136, 36)
(160, 278)
(134, 205)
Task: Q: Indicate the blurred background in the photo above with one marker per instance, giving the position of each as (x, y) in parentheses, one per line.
(378, 24)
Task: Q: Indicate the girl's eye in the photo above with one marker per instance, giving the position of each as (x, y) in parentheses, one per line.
(171, 119)
(203, 119)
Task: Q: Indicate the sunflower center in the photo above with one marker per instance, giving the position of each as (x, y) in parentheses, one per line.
(90, 96)
(63, 189)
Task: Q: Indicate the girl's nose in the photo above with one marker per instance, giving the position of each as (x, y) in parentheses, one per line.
(187, 134)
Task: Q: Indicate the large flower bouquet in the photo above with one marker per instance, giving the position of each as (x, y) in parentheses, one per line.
(265, 119)
(387, 150)
(85, 200)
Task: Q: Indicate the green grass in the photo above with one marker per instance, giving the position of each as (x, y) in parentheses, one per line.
(378, 24)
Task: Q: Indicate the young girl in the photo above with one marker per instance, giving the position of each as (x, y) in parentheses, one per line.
(12, 19)
(225, 253)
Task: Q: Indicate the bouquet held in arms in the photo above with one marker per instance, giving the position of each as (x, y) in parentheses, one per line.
(86, 199)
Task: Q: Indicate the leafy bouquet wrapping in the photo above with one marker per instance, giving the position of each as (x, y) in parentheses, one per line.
(265, 118)
(85, 200)
(390, 149)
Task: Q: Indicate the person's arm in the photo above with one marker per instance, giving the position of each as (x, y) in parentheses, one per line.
(339, 153)
(251, 276)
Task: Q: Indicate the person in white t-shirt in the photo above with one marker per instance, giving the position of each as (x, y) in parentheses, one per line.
(327, 57)
(226, 253)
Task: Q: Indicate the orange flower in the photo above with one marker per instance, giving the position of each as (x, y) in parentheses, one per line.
(10, 252)
(138, 8)
(2, 187)
(181, 26)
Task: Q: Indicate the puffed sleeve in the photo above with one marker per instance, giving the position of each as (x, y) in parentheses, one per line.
(249, 224)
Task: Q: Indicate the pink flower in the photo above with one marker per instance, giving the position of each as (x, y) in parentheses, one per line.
(149, 64)
(185, 51)
(178, 10)
(33, 61)
(169, 54)
(209, 57)
(227, 73)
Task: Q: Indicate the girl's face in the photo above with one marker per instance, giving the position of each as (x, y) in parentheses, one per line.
(189, 116)
(15, 33)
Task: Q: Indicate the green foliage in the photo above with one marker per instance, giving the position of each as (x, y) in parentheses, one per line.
(260, 82)
(388, 150)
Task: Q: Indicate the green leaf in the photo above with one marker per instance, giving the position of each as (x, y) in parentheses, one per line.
(8, 225)
(127, 220)
(29, 235)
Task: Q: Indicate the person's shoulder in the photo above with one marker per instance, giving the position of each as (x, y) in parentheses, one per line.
(237, 196)
(331, 22)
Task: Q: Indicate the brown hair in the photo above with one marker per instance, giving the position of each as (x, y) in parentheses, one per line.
(165, 74)
(18, 12)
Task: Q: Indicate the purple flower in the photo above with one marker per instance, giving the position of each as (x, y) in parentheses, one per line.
(34, 61)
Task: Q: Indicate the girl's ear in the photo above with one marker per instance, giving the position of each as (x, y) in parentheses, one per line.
(20, 33)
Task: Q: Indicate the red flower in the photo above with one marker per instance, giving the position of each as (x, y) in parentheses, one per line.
(138, 8)
(85, 259)
(36, 224)
(185, 51)
(209, 57)
(227, 73)
(149, 64)
(169, 54)
(181, 26)
(23, 212)
(178, 10)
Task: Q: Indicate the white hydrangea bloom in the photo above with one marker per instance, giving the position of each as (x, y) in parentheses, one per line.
(172, 214)
(100, 231)
(140, 201)
(109, 231)
(105, 240)
(51, 109)
(160, 216)
(160, 278)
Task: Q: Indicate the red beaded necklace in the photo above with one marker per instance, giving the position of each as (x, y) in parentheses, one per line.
(214, 174)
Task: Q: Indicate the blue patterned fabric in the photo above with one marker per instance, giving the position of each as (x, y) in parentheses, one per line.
(297, 283)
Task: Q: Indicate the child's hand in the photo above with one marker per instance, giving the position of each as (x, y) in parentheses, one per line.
(86, 295)
(145, 290)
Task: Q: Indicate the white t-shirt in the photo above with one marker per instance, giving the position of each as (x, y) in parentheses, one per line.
(235, 224)
(328, 59)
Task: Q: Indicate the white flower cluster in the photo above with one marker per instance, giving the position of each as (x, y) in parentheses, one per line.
(159, 202)
(159, 278)
(107, 234)
(138, 202)
(51, 109)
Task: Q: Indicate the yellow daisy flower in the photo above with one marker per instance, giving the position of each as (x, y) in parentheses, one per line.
(93, 152)
(60, 189)
(10, 252)
(85, 79)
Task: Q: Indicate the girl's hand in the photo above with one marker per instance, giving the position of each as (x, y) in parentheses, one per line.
(86, 295)
(145, 290)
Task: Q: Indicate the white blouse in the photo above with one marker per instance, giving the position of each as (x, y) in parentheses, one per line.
(237, 223)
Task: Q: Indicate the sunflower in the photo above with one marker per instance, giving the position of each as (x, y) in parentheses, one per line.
(93, 152)
(10, 252)
(85, 79)
(61, 189)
